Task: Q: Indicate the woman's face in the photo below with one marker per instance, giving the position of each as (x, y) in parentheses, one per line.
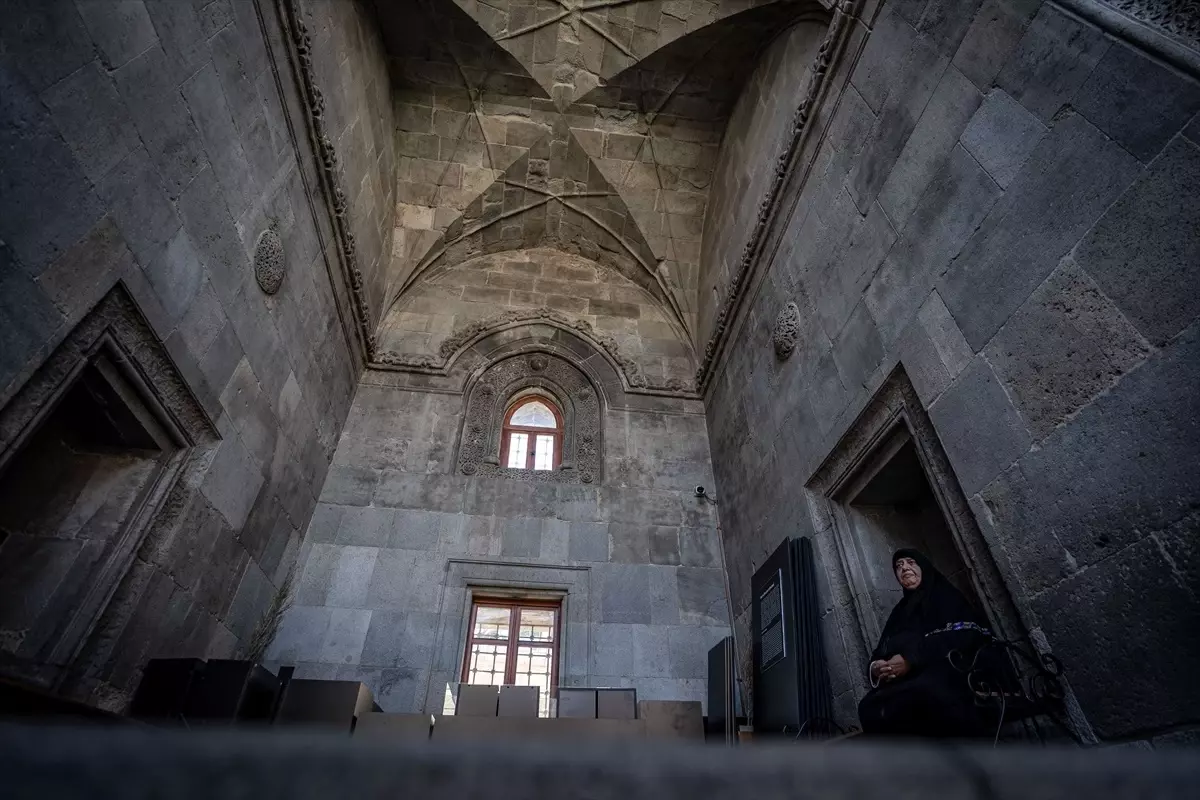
(908, 572)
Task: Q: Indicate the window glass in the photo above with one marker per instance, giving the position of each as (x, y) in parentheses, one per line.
(512, 643)
(492, 623)
(543, 457)
(517, 448)
(537, 625)
(534, 415)
(487, 664)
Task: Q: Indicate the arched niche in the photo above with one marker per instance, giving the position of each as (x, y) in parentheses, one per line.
(489, 396)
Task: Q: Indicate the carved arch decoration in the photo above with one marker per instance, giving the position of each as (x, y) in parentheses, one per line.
(488, 398)
(633, 378)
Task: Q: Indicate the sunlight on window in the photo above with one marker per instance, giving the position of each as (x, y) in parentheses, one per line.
(543, 456)
(518, 446)
(534, 415)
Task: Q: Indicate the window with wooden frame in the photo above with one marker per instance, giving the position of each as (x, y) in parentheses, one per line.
(532, 435)
(514, 642)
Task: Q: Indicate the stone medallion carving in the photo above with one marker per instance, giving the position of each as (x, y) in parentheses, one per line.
(787, 330)
(488, 399)
(269, 261)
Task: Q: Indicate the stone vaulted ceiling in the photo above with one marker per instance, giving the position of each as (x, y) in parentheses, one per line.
(590, 126)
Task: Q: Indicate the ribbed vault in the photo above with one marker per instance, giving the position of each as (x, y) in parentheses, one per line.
(591, 128)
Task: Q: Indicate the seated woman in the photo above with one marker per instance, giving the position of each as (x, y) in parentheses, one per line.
(917, 691)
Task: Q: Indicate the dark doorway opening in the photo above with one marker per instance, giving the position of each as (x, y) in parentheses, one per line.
(892, 505)
(71, 492)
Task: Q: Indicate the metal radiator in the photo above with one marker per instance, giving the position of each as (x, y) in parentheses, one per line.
(791, 679)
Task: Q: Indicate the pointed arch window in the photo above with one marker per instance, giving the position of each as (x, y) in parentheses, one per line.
(532, 435)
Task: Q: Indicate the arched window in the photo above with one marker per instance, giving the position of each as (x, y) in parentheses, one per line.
(532, 435)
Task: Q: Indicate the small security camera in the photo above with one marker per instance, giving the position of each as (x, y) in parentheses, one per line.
(700, 491)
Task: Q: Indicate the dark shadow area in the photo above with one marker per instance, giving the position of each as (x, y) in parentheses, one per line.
(894, 507)
(66, 495)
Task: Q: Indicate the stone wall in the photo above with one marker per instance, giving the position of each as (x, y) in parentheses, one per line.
(755, 133)
(1004, 206)
(524, 280)
(400, 533)
(147, 143)
(351, 69)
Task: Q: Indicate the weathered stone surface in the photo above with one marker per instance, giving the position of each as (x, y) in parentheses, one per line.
(952, 105)
(978, 426)
(876, 69)
(947, 22)
(254, 593)
(851, 265)
(612, 651)
(89, 114)
(993, 33)
(630, 543)
(1145, 427)
(233, 481)
(1071, 177)
(959, 198)
(1124, 593)
(162, 118)
(913, 84)
(122, 30)
(1001, 136)
(109, 109)
(1137, 101)
(365, 527)
(1053, 59)
(209, 110)
(688, 648)
(933, 350)
(588, 541)
(47, 202)
(701, 597)
(418, 530)
(625, 593)
(345, 636)
(651, 651)
(1147, 244)
(521, 537)
(51, 39)
(858, 349)
(27, 319)
(176, 274)
(1066, 344)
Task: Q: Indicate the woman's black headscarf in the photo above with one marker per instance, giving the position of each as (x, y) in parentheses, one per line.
(915, 599)
(934, 604)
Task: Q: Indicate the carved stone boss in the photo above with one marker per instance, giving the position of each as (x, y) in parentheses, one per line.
(787, 330)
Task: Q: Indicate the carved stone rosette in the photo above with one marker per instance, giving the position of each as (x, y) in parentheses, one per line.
(488, 399)
(269, 261)
(787, 331)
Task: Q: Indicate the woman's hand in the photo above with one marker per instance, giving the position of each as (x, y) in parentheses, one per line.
(895, 667)
(877, 669)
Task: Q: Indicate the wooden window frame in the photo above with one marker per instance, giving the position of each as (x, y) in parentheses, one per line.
(514, 605)
(508, 429)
